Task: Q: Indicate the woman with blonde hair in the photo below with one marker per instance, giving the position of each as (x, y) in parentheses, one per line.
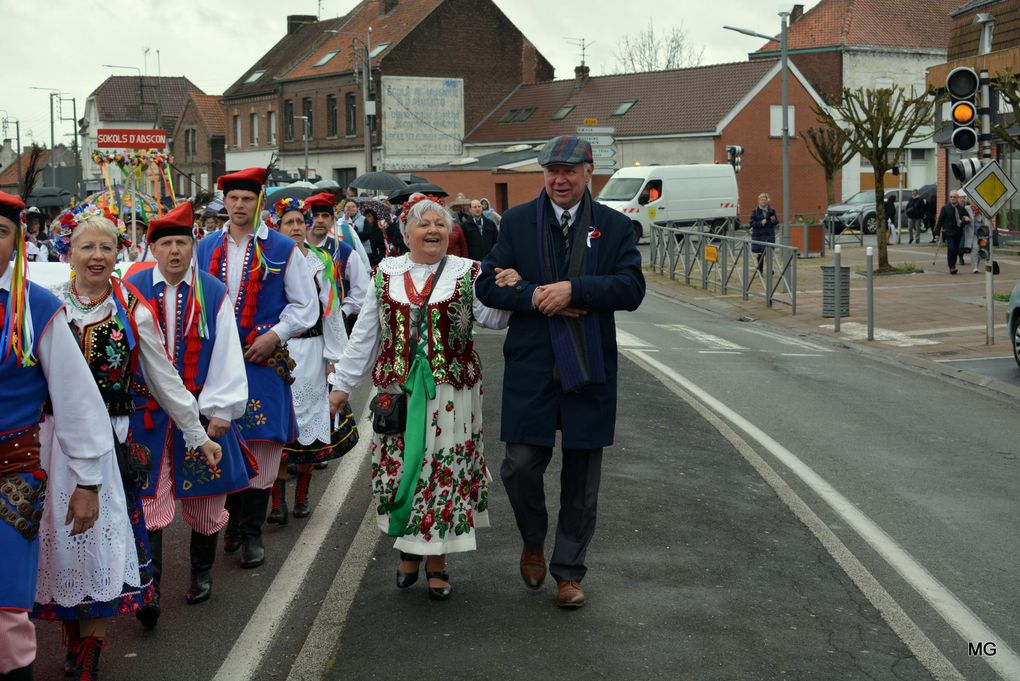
(106, 571)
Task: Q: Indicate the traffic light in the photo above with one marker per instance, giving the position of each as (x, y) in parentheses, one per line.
(962, 86)
(965, 168)
(733, 154)
(981, 239)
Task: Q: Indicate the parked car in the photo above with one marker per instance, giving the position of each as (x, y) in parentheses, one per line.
(858, 211)
(1013, 322)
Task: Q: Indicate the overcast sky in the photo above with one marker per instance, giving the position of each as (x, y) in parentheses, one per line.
(63, 44)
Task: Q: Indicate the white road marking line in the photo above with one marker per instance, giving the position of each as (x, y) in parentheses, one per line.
(626, 340)
(786, 340)
(972, 359)
(322, 645)
(800, 354)
(245, 658)
(949, 329)
(955, 612)
(701, 337)
(719, 352)
(858, 331)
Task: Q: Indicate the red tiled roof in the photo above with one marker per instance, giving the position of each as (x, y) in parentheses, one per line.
(389, 29)
(210, 112)
(905, 24)
(667, 102)
(9, 175)
(288, 51)
(130, 98)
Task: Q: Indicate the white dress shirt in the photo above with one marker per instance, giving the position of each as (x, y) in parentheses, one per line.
(560, 211)
(225, 392)
(78, 407)
(301, 311)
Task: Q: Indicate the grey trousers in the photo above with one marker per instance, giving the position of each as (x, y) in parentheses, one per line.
(523, 472)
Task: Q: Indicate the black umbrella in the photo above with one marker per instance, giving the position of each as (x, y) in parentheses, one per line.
(291, 193)
(402, 195)
(379, 181)
(48, 197)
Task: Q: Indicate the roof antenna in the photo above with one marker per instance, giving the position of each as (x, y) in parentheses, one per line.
(583, 44)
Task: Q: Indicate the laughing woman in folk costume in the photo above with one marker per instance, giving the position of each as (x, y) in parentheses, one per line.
(106, 571)
(414, 335)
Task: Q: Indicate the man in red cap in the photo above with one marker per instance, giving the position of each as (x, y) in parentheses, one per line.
(200, 335)
(274, 299)
(354, 273)
(36, 343)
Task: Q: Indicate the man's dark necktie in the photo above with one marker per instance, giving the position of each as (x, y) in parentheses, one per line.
(565, 226)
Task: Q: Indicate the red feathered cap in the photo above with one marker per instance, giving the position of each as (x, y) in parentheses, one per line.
(320, 203)
(178, 222)
(250, 179)
(11, 207)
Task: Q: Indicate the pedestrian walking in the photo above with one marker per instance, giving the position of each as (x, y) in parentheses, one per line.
(763, 227)
(415, 338)
(200, 336)
(353, 274)
(490, 212)
(25, 365)
(916, 209)
(274, 300)
(952, 220)
(891, 219)
(119, 335)
(479, 232)
(560, 354)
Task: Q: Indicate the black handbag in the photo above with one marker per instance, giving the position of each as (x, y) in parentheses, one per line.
(135, 464)
(389, 410)
(389, 413)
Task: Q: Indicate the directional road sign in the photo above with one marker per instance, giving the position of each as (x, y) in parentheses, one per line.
(598, 140)
(605, 162)
(602, 152)
(990, 188)
(595, 130)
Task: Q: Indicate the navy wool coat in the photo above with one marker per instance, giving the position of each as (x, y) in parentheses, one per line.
(534, 406)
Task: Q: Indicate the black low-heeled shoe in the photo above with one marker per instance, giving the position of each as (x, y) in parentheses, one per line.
(406, 579)
(439, 593)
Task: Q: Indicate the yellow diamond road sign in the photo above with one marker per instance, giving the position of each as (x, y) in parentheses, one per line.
(990, 188)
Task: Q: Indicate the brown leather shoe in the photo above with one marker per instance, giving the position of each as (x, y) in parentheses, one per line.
(570, 595)
(533, 567)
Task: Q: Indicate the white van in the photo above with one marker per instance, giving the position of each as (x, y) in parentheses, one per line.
(678, 195)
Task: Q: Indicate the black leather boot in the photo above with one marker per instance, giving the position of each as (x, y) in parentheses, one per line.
(149, 614)
(278, 513)
(232, 535)
(256, 503)
(88, 658)
(72, 642)
(301, 507)
(203, 554)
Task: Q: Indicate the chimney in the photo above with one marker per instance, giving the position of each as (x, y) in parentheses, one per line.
(296, 21)
(387, 6)
(797, 13)
(581, 75)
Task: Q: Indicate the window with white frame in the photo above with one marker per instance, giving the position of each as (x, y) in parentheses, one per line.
(776, 121)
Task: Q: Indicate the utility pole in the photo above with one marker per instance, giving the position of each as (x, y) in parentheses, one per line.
(54, 92)
(74, 140)
(17, 136)
(369, 111)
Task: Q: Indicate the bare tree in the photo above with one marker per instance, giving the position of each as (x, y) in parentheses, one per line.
(646, 51)
(878, 125)
(1007, 84)
(830, 148)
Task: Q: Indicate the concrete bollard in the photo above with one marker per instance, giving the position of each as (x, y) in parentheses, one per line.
(870, 252)
(838, 250)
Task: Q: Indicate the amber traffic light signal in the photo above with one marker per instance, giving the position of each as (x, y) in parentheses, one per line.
(962, 86)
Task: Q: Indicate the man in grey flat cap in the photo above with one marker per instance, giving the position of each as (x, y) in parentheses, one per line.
(563, 264)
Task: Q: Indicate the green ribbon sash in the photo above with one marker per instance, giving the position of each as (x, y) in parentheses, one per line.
(420, 388)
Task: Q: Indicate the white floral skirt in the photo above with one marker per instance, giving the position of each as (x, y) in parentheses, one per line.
(452, 496)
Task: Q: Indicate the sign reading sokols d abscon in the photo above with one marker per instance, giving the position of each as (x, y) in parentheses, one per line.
(116, 138)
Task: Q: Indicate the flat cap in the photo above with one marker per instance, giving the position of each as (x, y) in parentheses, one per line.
(565, 150)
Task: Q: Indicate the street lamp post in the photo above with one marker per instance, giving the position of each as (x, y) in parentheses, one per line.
(306, 135)
(366, 75)
(53, 168)
(17, 135)
(784, 236)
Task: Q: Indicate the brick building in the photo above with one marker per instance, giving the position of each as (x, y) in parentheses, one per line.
(144, 102)
(198, 145)
(315, 71)
(663, 117)
(854, 44)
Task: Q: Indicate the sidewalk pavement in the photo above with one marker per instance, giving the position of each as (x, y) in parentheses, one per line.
(922, 317)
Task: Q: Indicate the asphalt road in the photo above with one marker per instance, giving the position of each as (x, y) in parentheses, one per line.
(714, 557)
(1002, 368)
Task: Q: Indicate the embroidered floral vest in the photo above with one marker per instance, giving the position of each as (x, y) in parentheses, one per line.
(105, 345)
(451, 349)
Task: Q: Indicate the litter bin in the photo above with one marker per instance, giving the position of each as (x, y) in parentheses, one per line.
(829, 291)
